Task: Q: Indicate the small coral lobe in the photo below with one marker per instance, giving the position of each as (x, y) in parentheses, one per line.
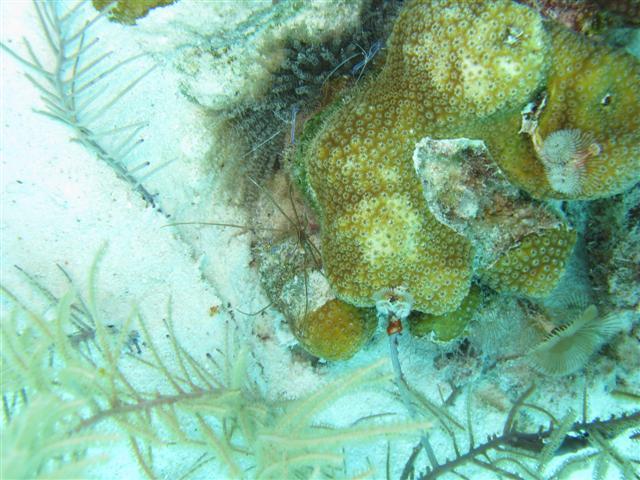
(597, 90)
(451, 325)
(336, 330)
(534, 265)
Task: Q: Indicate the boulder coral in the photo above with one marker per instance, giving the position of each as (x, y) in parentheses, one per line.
(559, 117)
(449, 65)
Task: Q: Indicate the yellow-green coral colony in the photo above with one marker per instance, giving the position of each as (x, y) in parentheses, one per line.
(592, 109)
(559, 115)
(336, 330)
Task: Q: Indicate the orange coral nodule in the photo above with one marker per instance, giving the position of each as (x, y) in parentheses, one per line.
(128, 11)
(336, 330)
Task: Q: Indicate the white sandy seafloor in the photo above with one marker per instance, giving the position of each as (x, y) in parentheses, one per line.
(60, 204)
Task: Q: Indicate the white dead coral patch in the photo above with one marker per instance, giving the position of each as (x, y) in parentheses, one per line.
(226, 53)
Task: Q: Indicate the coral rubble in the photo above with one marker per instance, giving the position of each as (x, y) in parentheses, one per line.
(613, 248)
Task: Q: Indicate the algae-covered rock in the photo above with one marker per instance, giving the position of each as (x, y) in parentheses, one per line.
(465, 190)
(534, 265)
(128, 11)
(612, 240)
